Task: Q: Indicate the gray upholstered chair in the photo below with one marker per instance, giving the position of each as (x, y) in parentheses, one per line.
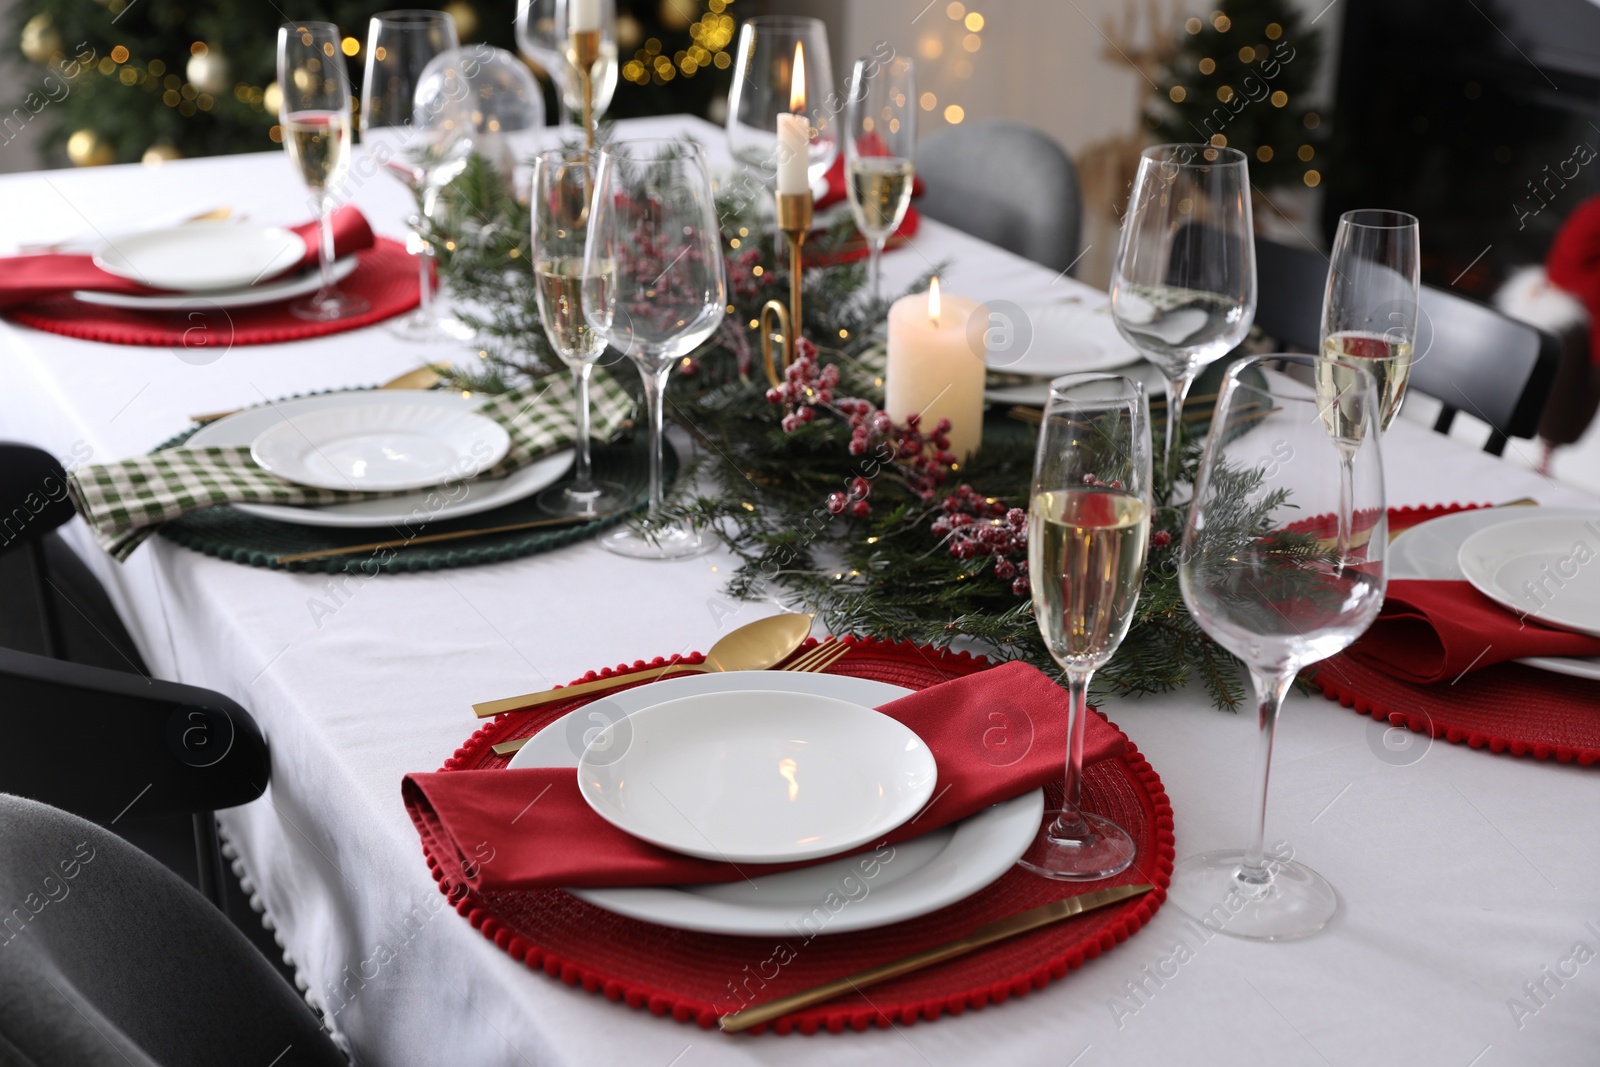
(1007, 183)
(107, 959)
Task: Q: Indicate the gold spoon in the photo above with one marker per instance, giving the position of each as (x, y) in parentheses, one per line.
(421, 378)
(752, 647)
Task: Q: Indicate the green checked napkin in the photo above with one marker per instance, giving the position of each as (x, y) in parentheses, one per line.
(124, 502)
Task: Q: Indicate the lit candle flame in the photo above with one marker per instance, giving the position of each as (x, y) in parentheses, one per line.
(933, 301)
(786, 769)
(797, 84)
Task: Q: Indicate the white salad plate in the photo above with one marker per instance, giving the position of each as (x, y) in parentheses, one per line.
(757, 777)
(395, 445)
(201, 256)
(1431, 550)
(455, 501)
(302, 284)
(1545, 568)
(1062, 338)
(911, 878)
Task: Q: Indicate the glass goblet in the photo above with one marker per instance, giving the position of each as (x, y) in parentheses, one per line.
(781, 68)
(880, 146)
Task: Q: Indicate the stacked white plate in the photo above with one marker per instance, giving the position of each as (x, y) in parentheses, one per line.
(1052, 339)
(768, 766)
(1557, 550)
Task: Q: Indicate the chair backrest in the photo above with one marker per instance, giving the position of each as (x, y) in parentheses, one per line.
(33, 494)
(100, 742)
(110, 960)
(1007, 183)
(1469, 357)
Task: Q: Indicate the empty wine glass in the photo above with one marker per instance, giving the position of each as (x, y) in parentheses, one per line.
(1183, 289)
(424, 146)
(781, 67)
(562, 185)
(1088, 532)
(1264, 572)
(653, 286)
(543, 36)
(315, 116)
(501, 103)
(880, 147)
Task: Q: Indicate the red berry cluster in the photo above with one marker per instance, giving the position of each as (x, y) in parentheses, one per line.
(853, 500)
(975, 525)
(806, 383)
(1160, 539)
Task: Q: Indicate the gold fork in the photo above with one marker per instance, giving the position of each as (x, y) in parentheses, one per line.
(812, 661)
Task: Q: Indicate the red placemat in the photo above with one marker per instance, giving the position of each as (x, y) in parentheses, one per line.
(1504, 708)
(386, 274)
(698, 977)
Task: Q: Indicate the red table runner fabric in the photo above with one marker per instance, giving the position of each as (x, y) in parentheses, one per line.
(1507, 707)
(697, 977)
(386, 274)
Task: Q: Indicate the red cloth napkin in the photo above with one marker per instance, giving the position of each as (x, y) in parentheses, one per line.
(995, 735)
(1432, 631)
(24, 279)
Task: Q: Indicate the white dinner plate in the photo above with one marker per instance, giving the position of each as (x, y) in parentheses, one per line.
(468, 498)
(757, 777)
(288, 288)
(398, 444)
(919, 876)
(1545, 568)
(1430, 549)
(1062, 338)
(200, 256)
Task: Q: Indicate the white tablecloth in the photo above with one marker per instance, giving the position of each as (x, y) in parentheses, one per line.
(1463, 876)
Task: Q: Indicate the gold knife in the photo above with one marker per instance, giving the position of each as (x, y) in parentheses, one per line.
(982, 936)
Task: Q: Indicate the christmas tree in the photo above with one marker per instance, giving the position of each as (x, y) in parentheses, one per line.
(124, 80)
(1241, 78)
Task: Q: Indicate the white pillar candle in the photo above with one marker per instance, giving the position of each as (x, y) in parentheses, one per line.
(932, 369)
(583, 15)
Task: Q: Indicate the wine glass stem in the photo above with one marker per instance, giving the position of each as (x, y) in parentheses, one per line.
(325, 247)
(1346, 513)
(1070, 822)
(1177, 393)
(582, 479)
(1270, 690)
(655, 397)
(875, 264)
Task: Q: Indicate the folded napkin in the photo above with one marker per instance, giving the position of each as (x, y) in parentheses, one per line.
(27, 278)
(1434, 631)
(995, 735)
(124, 502)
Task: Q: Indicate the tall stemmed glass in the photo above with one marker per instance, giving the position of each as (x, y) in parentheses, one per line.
(1088, 529)
(543, 36)
(1369, 315)
(1183, 290)
(315, 115)
(425, 147)
(770, 49)
(562, 185)
(880, 147)
(653, 286)
(1264, 574)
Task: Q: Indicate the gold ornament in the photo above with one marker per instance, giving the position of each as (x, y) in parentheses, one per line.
(161, 152)
(466, 17)
(40, 39)
(207, 70)
(86, 149)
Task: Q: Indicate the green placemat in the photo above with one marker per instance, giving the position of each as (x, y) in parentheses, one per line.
(232, 535)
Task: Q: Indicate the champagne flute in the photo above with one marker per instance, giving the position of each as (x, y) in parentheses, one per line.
(561, 188)
(1262, 575)
(1183, 289)
(543, 38)
(424, 146)
(315, 116)
(880, 150)
(1088, 531)
(781, 67)
(653, 286)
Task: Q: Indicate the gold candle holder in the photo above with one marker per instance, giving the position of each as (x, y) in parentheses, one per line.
(794, 219)
(584, 52)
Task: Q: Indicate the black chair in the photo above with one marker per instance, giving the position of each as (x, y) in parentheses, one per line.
(1469, 357)
(111, 960)
(101, 743)
(1009, 184)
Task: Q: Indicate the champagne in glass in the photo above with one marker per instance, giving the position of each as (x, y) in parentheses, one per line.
(880, 144)
(1263, 574)
(1387, 359)
(1370, 309)
(1088, 528)
(1183, 288)
(315, 119)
